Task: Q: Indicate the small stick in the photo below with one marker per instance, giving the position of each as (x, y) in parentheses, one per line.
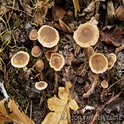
(3, 90)
(56, 81)
(100, 108)
(31, 109)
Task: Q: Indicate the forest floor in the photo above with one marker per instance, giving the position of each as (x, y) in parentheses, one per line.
(19, 17)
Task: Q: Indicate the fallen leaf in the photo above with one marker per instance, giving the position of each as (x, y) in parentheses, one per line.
(9, 110)
(120, 13)
(111, 35)
(61, 106)
(76, 6)
(58, 13)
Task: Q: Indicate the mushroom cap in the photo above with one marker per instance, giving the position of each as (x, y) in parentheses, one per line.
(41, 85)
(111, 60)
(98, 63)
(57, 61)
(88, 52)
(48, 54)
(104, 84)
(48, 36)
(20, 59)
(39, 65)
(36, 51)
(86, 35)
(33, 34)
(54, 49)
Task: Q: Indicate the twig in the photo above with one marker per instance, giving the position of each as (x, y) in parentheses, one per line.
(31, 109)
(3, 90)
(56, 81)
(100, 108)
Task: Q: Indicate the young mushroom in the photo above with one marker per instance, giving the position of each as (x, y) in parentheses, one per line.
(57, 61)
(39, 65)
(36, 51)
(86, 35)
(48, 36)
(98, 63)
(111, 60)
(20, 59)
(104, 84)
(33, 34)
(41, 85)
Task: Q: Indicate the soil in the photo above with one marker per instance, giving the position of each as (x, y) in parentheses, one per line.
(18, 18)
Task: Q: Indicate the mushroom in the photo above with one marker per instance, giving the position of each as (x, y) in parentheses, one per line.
(88, 52)
(111, 60)
(36, 51)
(104, 84)
(57, 61)
(39, 65)
(33, 34)
(86, 35)
(98, 63)
(20, 59)
(50, 51)
(41, 85)
(48, 36)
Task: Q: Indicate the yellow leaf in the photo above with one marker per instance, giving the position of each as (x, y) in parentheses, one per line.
(9, 110)
(76, 6)
(61, 106)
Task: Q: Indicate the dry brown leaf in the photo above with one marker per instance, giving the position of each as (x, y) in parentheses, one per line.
(9, 110)
(61, 106)
(112, 35)
(58, 13)
(76, 6)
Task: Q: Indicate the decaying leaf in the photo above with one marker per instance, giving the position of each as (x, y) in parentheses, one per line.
(112, 35)
(10, 111)
(58, 13)
(76, 6)
(61, 106)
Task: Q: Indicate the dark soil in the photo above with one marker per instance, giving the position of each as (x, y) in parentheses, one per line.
(17, 20)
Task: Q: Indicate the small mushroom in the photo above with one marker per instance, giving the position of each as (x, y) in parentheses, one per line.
(36, 51)
(33, 34)
(57, 61)
(88, 52)
(54, 49)
(48, 54)
(39, 65)
(104, 84)
(86, 35)
(48, 36)
(111, 60)
(20, 59)
(41, 85)
(98, 63)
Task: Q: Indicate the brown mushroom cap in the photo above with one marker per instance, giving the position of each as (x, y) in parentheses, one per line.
(88, 52)
(111, 60)
(54, 49)
(20, 59)
(104, 84)
(86, 35)
(39, 65)
(41, 85)
(57, 61)
(98, 63)
(48, 36)
(33, 34)
(48, 54)
(36, 51)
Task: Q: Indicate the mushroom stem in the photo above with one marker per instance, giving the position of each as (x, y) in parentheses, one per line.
(2, 88)
(42, 97)
(56, 82)
(91, 90)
